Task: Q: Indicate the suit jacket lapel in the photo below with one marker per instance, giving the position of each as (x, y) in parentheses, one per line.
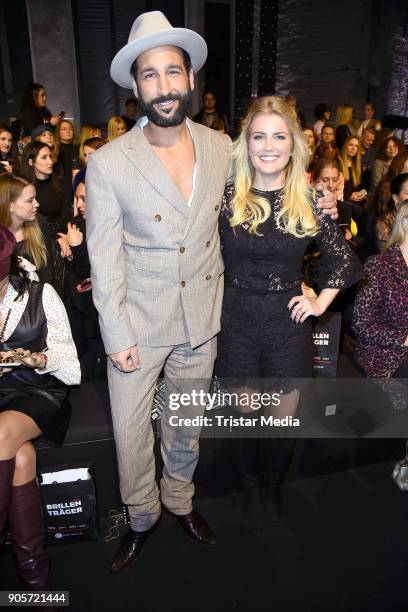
(143, 157)
(203, 153)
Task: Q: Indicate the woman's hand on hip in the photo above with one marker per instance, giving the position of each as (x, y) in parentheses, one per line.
(303, 307)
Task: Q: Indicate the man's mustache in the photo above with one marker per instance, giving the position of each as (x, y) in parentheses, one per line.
(163, 99)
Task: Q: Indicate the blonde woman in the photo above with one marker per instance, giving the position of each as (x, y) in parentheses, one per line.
(269, 217)
(116, 127)
(344, 124)
(381, 309)
(350, 164)
(19, 213)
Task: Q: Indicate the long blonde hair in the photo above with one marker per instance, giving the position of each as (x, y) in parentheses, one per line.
(113, 123)
(398, 232)
(11, 188)
(344, 115)
(353, 173)
(87, 131)
(296, 216)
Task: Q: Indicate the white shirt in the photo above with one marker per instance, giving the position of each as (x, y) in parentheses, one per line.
(142, 122)
(62, 358)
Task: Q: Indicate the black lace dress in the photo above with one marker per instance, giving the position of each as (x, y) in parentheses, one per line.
(258, 339)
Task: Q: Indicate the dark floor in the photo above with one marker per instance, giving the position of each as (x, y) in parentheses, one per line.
(342, 545)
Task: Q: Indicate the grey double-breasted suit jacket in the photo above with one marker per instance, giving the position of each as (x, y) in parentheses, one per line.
(157, 270)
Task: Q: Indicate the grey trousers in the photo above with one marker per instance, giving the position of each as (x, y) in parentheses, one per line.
(131, 396)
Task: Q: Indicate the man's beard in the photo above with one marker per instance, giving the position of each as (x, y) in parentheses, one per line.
(176, 118)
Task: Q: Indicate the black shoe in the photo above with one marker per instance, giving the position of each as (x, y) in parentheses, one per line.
(196, 527)
(130, 547)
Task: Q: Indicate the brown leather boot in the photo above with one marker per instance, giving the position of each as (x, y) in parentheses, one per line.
(6, 479)
(27, 536)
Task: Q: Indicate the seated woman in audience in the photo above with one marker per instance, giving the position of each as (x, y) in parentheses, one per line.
(86, 149)
(310, 142)
(381, 216)
(89, 131)
(81, 311)
(66, 153)
(19, 213)
(323, 114)
(328, 135)
(9, 161)
(382, 194)
(381, 309)
(350, 163)
(116, 127)
(326, 175)
(33, 109)
(388, 150)
(35, 334)
(38, 167)
(368, 120)
(89, 146)
(345, 126)
(44, 133)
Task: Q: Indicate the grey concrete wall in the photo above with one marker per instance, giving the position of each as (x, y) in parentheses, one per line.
(53, 54)
(323, 52)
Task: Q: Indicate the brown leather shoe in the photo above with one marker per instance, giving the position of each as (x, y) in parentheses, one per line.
(196, 527)
(130, 547)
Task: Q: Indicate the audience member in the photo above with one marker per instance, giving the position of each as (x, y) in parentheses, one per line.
(44, 133)
(350, 163)
(78, 297)
(381, 309)
(116, 127)
(388, 150)
(86, 149)
(380, 216)
(37, 166)
(328, 135)
(130, 116)
(326, 175)
(9, 161)
(367, 151)
(19, 213)
(323, 114)
(66, 153)
(209, 116)
(292, 100)
(311, 143)
(368, 120)
(35, 333)
(344, 124)
(33, 109)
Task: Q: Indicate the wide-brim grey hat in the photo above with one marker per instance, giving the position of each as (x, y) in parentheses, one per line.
(152, 30)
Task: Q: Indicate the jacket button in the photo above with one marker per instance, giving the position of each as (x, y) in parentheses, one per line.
(157, 217)
(208, 277)
(183, 283)
(182, 249)
(207, 244)
(216, 207)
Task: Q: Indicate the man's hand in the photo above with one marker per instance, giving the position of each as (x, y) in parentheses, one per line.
(327, 202)
(127, 360)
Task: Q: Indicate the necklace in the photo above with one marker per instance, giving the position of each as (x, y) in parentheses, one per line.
(3, 328)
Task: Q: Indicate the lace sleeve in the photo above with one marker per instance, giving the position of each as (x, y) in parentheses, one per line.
(225, 212)
(339, 267)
